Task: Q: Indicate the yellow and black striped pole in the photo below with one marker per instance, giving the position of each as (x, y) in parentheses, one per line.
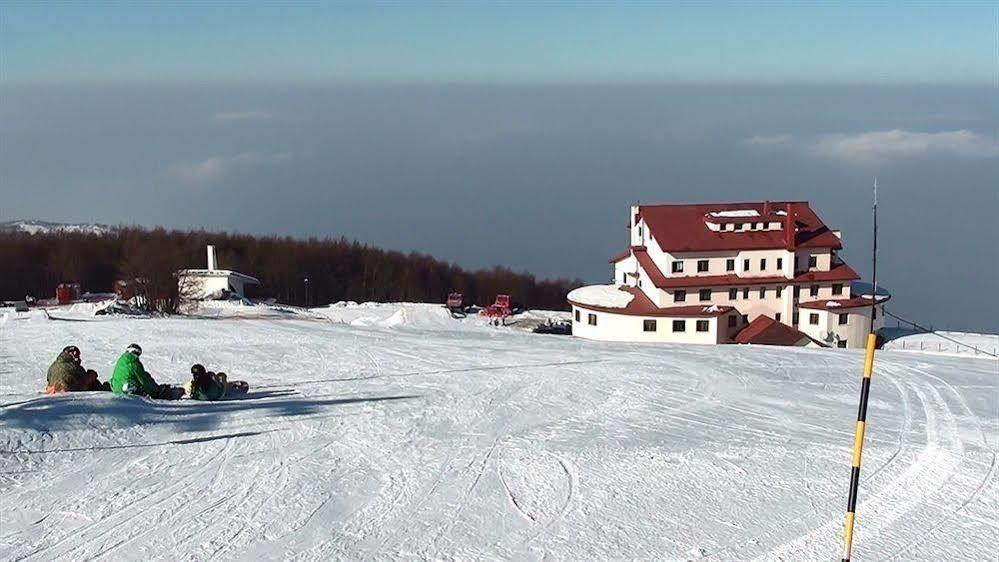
(858, 449)
(865, 390)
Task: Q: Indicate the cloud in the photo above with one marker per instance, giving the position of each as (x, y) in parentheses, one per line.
(214, 168)
(874, 147)
(241, 115)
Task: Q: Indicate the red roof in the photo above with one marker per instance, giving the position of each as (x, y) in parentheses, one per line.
(642, 305)
(624, 254)
(841, 272)
(650, 267)
(839, 304)
(682, 228)
(764, 330)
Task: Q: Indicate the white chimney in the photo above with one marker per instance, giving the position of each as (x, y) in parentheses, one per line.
(211, 258)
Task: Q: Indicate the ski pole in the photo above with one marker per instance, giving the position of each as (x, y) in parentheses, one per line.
(858, 449)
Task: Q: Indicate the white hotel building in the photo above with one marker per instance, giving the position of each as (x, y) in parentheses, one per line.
(729, 272)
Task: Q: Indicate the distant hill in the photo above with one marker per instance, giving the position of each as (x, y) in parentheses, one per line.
(47, 227)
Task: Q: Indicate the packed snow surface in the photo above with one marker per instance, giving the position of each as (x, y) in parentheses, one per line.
(426, 437)
(608, 296)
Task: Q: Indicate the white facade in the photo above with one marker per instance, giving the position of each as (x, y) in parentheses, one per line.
(212, 283)
(608, 326)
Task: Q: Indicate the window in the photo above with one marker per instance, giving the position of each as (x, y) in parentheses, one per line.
(777, 316)
(745, 319)
(649, 325)
(624, 278)
(702, 325)
(794, 319)
(841, 343)
(591, 319)
(679, 295)
(745, 293)
(704, 294)
(702, 266)
(745, 265)
(679, 325)
(733, 294)
(813, 319)
(780, 263)
(797, 291)
(813, 262)
(780, 291)
(813, 291)
(730, 264)
(577, 315)
(678, 267)
(759, 226)
(837, 288)
(843, 319)
(732, 320)
(639, 232)
(763, 292)
(763, 264)
(639, 282)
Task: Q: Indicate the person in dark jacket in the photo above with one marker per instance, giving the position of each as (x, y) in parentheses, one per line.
(66, 374)
(206, 385)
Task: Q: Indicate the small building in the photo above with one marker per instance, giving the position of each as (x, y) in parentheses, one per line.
(212, 283)
(702, 273)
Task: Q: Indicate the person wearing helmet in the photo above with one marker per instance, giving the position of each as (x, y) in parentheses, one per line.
(206, 385)
(130, 377)
(66, 374)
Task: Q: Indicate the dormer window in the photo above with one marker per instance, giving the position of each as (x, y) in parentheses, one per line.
(702, 266)
(759, 226)
(677, 267)
(813, 262)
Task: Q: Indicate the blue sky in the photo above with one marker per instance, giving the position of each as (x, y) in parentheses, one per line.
(499, 42)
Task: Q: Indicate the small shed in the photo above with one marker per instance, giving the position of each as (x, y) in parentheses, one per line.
(212, 283)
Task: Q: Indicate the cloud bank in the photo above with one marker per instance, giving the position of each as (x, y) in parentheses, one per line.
(215, 168)
(875, 147)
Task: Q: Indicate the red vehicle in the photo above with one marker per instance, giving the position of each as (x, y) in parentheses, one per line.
(456, 305)
(499, 309)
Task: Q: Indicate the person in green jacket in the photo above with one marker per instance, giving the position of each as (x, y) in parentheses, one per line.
(66, 374)
(130, 377)
(206, 385)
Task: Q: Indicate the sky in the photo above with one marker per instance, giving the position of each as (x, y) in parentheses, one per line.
(499, 41)
(514, 135)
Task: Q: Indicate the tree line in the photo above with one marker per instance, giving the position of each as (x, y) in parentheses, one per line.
(302, 272)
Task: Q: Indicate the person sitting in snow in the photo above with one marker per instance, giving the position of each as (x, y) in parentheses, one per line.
(66, 374)
(130, 377)
(206, 385)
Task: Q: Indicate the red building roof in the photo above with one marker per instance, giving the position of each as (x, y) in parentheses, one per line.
(683, 228)
(840, 304)
(642, 305)
(764, 330)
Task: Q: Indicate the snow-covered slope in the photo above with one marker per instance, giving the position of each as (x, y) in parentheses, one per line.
(432, 438)
(45, 227)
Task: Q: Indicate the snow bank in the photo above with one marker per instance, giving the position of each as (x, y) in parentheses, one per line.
(607, 296)
(424, 316)
(931, 342)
